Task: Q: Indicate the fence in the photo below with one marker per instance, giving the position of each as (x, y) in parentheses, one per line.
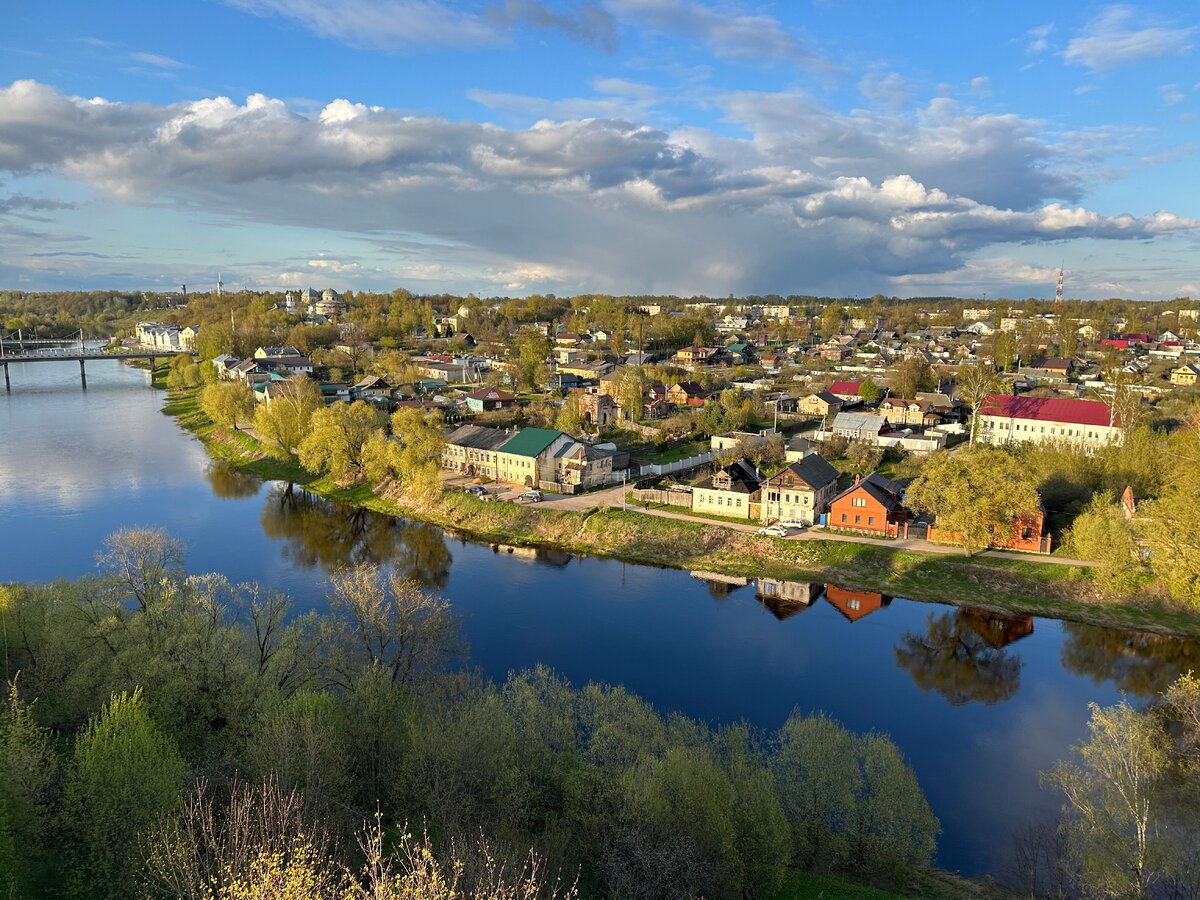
(691, 462)
(658, 495)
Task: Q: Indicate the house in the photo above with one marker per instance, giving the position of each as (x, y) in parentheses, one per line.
(846, 391)
(860, 426)
(1026, 534)
(373, 387)
(900, 411)
(275, 352)
(729, 491)
(822, 403)
(187, 337)
(580, 466)
(693, 356)
(783, 599)
(639, 359)
(855, 604)
(800, 492)
(1186, 374)
(1007, 419)
(686, 393)
(471, 450)
(872, 505)
(287, 366)
(598, 409)
(653, 408)
(1060, 369)
(528, 457)
(797, 448)
(489, 399)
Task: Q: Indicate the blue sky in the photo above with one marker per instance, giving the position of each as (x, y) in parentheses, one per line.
(522, 146)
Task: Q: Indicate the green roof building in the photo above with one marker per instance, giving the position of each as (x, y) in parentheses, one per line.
(530, 441)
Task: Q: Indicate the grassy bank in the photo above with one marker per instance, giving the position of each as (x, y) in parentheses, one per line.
(1007, 585)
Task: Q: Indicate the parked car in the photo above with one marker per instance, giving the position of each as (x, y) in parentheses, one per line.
(774, 531)
(532, 496)
(793, 526)
(476, 490)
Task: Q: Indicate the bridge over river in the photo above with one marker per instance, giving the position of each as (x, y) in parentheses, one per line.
(23, 349)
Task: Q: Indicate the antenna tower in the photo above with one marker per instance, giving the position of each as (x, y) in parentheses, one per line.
(1058, 291)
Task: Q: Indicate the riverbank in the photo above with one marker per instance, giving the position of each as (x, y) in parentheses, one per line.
(1005, 585)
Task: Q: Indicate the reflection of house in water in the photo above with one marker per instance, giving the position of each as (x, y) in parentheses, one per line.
(720, 586)
(786, 598)
(998, 629)
(855, 604)
(548, 555)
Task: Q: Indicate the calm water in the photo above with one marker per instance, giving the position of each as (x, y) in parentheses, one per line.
(978, 705)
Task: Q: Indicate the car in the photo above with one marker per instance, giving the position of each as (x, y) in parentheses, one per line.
(774, 531)
(795, 526)
(476, 490)
(532, 496)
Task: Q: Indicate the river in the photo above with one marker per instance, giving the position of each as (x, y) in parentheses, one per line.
(979, 704)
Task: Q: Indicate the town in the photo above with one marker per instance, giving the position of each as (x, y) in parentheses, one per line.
(933, 426)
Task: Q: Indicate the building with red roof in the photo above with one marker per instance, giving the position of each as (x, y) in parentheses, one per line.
(846, 391)
(1005, 419)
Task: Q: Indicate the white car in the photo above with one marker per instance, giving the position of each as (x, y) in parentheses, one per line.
(774, 531)
(796, 526)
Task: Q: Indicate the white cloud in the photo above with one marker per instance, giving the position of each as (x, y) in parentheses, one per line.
(1171, 94)
(981, 86)
(157, 60)
(1108, 41)
(585, 203)
(1038, 38)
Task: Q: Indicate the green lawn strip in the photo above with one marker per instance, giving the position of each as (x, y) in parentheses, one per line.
(1005, 585)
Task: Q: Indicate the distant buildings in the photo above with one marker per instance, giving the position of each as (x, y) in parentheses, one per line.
(1005, 419)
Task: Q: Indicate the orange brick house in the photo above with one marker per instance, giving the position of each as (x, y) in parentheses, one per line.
(872, 505)
(1028, 535)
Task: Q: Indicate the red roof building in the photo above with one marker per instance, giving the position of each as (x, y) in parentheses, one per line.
(846, 390)
(1007, 419)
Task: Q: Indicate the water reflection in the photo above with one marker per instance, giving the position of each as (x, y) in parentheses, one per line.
(854, 605)
(321, 534)
(783, 599)
(229, 483)
(961, 656)
(1137, 663)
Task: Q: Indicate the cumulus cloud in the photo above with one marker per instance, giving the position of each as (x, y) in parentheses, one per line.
(1110, 40)
(584, 204)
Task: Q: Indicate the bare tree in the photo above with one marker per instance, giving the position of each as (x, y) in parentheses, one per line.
(142, 560)
(390, 622)
(973, 384)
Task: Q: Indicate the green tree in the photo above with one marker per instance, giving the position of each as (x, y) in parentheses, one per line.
(1114, 799)
(228, 403)
(909, 376)
(864, 458)
(570, 415)
(979, 494)
(1169, 527)
(337, 436)
(870, 392)
(413, 455)
(283, 422)
(1102, 533)
(123, 776)
(27, 772)
(531, 349)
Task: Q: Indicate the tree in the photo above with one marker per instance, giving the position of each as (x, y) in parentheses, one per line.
(412, 455)
(978, 494)
(1114, 795)
(532, 348)
(142, 560)
(974, 384)
(1102, 533)
(870, 392)
(864, 458)
(570, 415)
(909, 376)
(1004, 350)
(227, 403)
(631, 388)
(27, 773)
(284, 421)
(953, 659)
(831, 321)
(124, 774)
(1170, 528)
(336, 438)
(391, 624)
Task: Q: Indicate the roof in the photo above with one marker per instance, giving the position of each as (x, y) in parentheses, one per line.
(491, 393)
(845, 387)
(691, 389)
(530, 441)
(1048, 409)
(858, 421)
(878, 488)
(477, 437)
(828, 397)
(745, 479)
(814, 471)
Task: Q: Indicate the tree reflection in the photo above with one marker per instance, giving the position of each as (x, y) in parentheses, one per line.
(229, 483)
(1137, 663)
(955, 658)
(322, 534)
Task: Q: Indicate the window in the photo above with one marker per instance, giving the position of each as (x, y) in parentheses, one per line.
(870, 520)
(858, 501)
(854, 604)
(843, 517)
(739, 503)
(857, 519)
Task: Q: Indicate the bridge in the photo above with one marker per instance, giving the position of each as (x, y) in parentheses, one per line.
(82, 357)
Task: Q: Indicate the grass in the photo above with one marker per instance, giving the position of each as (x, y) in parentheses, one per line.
(932, 885)
(1015, 586)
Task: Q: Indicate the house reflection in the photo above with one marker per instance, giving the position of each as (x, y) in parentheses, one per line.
(783, 599)
(720, 586)
(854, 605)
(998, 629)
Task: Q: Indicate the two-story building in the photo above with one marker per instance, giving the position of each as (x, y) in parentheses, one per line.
(872, 505)
(1005, 419)
(730, 491)
(800, 492)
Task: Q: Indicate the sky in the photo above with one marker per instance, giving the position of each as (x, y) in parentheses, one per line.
(511, 147)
